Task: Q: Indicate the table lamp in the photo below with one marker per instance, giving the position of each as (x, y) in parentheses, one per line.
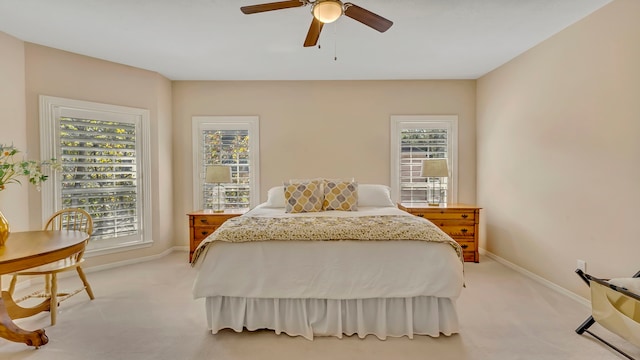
(218, 174)
(436, 168)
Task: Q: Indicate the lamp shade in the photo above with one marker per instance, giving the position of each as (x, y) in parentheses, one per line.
(435, 168)
(217, 174)
(327, 11)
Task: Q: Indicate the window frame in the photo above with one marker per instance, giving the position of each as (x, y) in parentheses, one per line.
(215, 122)
(399, 122)
(51, 109)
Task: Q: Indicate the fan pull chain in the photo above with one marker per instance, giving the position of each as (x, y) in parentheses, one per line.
(335, 42)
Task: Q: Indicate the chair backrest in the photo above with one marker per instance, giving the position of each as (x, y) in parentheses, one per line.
(70, 219)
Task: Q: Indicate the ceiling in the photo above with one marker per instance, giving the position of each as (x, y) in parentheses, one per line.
(213, 40)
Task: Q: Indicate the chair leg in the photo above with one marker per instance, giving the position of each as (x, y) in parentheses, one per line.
(585, 325)
(47, 284)
(87, 287)
(12, 284)
(54, 298)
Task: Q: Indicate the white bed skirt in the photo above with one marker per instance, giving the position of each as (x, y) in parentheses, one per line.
(382, 317)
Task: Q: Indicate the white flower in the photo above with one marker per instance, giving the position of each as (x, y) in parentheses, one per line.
(11, 169)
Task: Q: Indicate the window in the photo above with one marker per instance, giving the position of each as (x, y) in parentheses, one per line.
(104, 154)
(414, 139)
(232, 141)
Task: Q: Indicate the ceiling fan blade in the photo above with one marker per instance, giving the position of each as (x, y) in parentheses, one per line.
(367, 17)
(252, 9)
(314, 33)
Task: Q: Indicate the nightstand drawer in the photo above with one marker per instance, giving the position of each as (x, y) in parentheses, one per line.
(449, 214)
(201, 232)
(469, 250)
(457, 230)
(467, 244)
(205, 220)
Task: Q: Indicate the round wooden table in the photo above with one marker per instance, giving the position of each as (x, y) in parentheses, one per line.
(24, 250)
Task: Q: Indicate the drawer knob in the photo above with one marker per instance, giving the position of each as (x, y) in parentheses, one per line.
(464, 216)
(204, 232)
(420, 215)
(464, 246)
(464, 231)
(204, 221)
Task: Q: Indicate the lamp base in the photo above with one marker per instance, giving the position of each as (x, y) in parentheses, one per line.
(218, 211)
(434, 204)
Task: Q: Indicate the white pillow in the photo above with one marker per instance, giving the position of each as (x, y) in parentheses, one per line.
(374, 195)
(275, 197)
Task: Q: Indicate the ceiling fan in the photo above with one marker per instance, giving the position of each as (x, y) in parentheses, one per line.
(324, 12)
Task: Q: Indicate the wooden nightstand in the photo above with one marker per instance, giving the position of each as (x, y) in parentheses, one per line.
(460, 221)
(202, 223)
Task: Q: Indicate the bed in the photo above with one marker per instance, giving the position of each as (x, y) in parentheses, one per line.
(370, 269)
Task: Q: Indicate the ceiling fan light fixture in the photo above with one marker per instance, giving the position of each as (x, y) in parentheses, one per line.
(327, 11)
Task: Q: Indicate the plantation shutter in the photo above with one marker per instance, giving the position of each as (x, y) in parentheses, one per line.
(230, 148)
(416, 145)
(100, 174)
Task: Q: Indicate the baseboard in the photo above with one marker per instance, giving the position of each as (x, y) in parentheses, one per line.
(536, 278)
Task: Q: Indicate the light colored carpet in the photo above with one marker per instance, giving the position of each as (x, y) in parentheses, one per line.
(145, 311)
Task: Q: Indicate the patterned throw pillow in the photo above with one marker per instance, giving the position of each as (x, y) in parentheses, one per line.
(303, 197)
(340, 195)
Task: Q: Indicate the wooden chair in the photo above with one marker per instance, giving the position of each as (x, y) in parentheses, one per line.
(66, 219)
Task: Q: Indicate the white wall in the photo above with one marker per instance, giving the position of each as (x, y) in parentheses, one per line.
(13, 126)
(558, 151)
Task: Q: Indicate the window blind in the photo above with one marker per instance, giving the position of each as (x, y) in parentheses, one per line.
(417, 145)
(230, 148)
(100, 173)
